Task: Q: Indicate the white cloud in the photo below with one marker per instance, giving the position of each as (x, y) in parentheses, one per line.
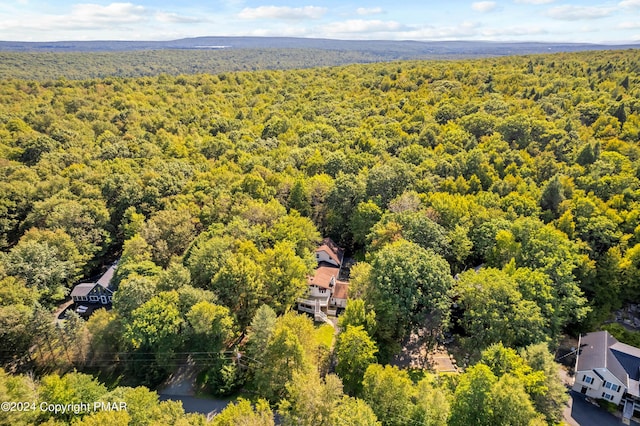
(518, 31)
(369, 10)
(82, 17)
(629, 3)
(534, 1)
(114, 12)
(175, 18)
(464, 30)
(483, 6)
(361, 29)
(283, 12)
(289, 31)
(362, 26)
(629, 25)
(90, 21)
(577, 13)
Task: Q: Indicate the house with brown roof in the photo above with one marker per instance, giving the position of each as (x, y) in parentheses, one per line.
(326, 294)
(608, 369)
(328, 252)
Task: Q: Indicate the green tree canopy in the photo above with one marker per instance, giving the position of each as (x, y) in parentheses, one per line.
(354, 352)
(409, 289)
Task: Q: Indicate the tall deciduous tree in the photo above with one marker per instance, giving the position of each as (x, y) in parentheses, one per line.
(388, 390)
(72, 388)
(156, 327)
(239, 284)
(553, 396)
(136, 259)
(510, 403)
(310, 400)
(431, 404)
(169, 233)
(244, 413)
(355, 314)
(472, 399)
(409, 290)
(155, 323)
(18, 388)
(283, 356)
(84, 220)
(262, 327)
(355, 351)
(299, 199)
(353, 412)
(494, 310)
(298, 230)
(211, 325)
(205, 257)
(366, 214)
(285, 276)
(43, 265)
(132, 293)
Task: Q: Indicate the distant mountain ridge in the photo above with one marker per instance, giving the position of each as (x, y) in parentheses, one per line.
(387, 48)
(213, 55)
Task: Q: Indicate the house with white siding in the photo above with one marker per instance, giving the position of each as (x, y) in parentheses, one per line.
(608, 369)
(326, 294)
(328, 252)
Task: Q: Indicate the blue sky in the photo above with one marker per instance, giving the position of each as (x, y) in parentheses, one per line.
(510, 20)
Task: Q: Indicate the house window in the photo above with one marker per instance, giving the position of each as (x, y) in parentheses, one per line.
(612, 386)
(322, 290)
(587, 379)
(607, 396)
(93, 298)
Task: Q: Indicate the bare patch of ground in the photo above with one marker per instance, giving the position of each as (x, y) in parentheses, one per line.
(416, 354)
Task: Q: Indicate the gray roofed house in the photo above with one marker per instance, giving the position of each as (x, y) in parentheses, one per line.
(105, 279)
(629, 358)
(98, 292)
(608, 369)
(82, 290)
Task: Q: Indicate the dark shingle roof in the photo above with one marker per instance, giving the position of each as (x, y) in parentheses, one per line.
(85, 288)
(629, 357)
(602, 350)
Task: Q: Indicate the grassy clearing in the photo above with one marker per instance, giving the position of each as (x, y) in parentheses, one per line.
(325, 334)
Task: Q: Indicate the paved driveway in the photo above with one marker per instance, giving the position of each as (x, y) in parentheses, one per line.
(192, 404)
(579, 412)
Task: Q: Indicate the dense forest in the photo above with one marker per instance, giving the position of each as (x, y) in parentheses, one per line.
(80, 66)
(79, 60)
(493, 200)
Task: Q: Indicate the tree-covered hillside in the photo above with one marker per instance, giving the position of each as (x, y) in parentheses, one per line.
(215, 189)
(82, 65)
